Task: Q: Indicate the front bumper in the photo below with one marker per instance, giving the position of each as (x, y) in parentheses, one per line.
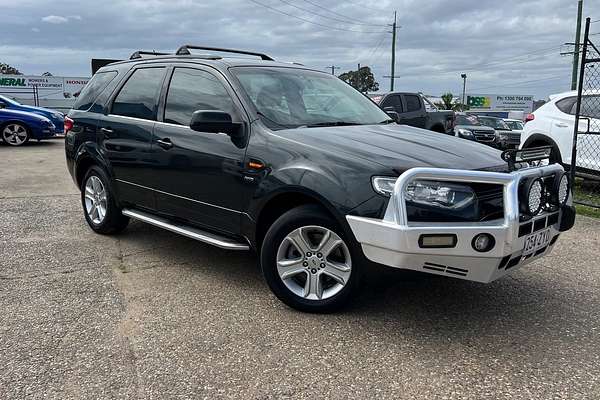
(394, 241)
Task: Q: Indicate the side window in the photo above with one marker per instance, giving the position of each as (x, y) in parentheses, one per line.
(192, 90)
(96, 85)
(566, 105)
(139, 96)
(393, 101)
(590, 106)
(413, 103)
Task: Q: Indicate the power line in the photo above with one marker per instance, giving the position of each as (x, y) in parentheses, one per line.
(320, 15)
(363, 6)
(521, 83)
(309, 21)
(359, 22)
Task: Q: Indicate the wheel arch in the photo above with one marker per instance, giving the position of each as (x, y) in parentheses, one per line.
(540, 139)
(86, 157)
(18, 121)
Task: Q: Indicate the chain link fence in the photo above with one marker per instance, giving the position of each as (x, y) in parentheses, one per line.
(585, 162)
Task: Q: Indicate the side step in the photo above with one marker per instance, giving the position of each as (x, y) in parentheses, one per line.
(194, 233)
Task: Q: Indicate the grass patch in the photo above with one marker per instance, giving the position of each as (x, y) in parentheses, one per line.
(589, 192)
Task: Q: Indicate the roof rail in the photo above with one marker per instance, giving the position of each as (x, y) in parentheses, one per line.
(140, 53)
(185, 50)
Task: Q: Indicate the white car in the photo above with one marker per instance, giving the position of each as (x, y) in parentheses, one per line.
(515, 125)
(553, 124)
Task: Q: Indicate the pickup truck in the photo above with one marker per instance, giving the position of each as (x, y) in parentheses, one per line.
(301, 168)
(411, 109)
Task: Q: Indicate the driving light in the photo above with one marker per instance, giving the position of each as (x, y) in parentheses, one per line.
(384, 185)
(439, 194)
(562, 189)
(534, 197)
(483, 242)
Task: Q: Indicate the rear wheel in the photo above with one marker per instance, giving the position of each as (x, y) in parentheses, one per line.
(15, 134)
(99, 206)
(308, 262)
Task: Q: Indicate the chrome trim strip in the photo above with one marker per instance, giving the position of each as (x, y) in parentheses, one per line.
(181, 197)
(197, 234)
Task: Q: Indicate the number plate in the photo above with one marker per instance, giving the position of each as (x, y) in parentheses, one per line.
(536, 241)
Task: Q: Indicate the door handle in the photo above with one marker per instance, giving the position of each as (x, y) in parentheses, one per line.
(561, 125)
(165, 143)
(106, 131)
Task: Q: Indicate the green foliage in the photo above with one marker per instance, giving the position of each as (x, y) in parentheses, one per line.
(447, 101)
(362, 80)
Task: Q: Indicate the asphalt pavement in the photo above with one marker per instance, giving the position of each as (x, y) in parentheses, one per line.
(148, 314)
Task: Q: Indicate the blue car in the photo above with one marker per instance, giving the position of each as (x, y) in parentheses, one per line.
(17, 127)
(57, 118)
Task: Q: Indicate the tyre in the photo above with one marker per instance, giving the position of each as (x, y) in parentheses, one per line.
(309, 262)
(15, 134)
(99, 206)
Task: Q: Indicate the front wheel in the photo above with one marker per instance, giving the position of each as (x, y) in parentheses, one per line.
(15, 134)
(99, 206)
(308, 262)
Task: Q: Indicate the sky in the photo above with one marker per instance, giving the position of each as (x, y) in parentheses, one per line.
(504, 47)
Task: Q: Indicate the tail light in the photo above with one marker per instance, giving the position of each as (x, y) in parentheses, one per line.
(529, 117)
(68, 124)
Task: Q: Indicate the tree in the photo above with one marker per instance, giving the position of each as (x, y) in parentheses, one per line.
(6, 69)
(448, 98)
(362, 80)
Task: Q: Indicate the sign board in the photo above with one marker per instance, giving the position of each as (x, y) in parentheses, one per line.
(500, 102)
(48, 87)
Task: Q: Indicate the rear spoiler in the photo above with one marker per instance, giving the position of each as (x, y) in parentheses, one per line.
(513, 157)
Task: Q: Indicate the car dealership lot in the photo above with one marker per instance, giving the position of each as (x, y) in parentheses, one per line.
(151, 314)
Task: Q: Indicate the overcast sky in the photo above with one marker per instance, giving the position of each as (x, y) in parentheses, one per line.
(505, 47)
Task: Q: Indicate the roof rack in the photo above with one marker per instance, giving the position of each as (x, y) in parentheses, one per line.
(185, 50)
(140, 53)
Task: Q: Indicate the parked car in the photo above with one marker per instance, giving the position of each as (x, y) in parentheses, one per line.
(412, 110)
(225, 151)
(17, 127)
(515, 125)
(56, 117)
(506, 138)
(469, 127)
(553, 124)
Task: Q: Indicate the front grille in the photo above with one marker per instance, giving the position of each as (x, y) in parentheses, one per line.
(484, 136)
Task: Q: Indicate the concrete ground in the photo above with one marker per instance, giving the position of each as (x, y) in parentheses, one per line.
(149, 314)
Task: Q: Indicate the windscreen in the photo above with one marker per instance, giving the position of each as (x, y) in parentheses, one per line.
(293, 97)
(467, 120)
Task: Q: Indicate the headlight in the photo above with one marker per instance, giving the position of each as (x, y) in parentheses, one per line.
(503, 136)
(464, 132)
(384, 185)
(439, 194)
(58, 115)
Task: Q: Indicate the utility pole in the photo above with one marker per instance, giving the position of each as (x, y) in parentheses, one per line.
(576, 52)
(333, 68)
(464, 76)
(392, 77)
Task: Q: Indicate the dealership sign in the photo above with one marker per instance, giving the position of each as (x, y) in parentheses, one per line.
(47, 87)
(500, 102)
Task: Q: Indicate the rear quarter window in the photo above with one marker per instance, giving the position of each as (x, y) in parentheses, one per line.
(94, 87)
(566, 105)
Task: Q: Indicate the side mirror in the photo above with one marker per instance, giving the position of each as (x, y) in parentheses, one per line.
(214, 121)
(392, 113)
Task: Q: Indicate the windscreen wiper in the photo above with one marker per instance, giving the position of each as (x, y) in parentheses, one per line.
(332, 123)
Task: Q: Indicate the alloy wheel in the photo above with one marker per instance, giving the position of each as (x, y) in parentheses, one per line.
(314, 263)
(14, 134)
(95, 200)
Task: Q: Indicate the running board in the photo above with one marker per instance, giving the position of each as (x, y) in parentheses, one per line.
(194, 233)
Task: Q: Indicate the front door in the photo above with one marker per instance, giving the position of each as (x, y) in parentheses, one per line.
(126, 135)
(198, 175)
(414, 114)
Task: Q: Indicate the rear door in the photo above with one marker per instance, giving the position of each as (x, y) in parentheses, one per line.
(588, 137)
(198, 175)
(415, 114)
(125, 134)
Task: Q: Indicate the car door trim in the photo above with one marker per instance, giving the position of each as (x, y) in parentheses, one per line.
(180, 197)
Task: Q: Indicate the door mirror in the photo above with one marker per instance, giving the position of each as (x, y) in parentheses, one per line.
(392, 113)
(214, 121)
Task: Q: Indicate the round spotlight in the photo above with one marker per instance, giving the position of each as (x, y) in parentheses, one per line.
(534, 197)
(562, 189)
(483, 242)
